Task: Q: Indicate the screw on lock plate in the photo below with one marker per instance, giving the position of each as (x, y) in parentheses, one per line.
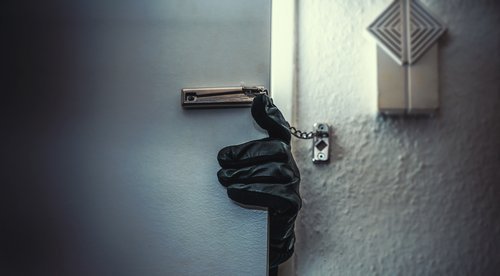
(321, 143)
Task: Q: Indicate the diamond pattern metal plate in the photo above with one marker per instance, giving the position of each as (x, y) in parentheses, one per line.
(406, 30)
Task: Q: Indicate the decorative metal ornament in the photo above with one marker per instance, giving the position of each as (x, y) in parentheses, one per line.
(406, 33)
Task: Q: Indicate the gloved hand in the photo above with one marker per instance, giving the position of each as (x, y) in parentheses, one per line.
(263, 173)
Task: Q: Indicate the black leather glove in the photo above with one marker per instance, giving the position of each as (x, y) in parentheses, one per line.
(263, 173)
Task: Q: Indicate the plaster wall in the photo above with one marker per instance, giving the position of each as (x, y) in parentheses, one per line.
(407, 196)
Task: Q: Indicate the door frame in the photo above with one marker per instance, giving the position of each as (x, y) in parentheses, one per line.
(283, 47)
(283, 71)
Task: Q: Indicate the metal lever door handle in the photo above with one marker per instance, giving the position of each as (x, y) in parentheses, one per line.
(220, 97)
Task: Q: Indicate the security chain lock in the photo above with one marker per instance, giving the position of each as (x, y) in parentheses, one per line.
(242, 96)
(321, 141)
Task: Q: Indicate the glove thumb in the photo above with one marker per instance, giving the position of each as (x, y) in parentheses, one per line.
(269, 117)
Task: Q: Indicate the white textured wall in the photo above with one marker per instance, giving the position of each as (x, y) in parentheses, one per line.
(401, 196)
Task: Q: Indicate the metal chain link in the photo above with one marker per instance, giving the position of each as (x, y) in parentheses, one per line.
(302, 134)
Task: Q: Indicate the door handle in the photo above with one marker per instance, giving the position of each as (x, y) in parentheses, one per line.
(220, 97)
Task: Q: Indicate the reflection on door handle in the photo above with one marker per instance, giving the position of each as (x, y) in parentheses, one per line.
(220, 97)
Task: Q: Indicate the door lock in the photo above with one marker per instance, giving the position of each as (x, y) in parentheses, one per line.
(242, 96)
(220, 97)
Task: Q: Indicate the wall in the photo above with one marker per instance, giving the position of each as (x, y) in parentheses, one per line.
(407, 196)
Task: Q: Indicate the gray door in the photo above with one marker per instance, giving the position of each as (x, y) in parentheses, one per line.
(106, 173)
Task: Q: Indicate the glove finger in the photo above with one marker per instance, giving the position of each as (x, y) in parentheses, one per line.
(269, 117)
(253, 152)
(279, 198)
(274, 172)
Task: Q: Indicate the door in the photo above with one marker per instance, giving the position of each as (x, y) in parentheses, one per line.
(106, 173)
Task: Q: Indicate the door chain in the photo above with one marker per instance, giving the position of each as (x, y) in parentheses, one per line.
(321, 141)
(302, 134)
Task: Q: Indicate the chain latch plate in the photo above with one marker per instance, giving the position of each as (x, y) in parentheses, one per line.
(321, 143)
